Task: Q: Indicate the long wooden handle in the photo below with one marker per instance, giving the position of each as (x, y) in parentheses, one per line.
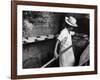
(53, 59)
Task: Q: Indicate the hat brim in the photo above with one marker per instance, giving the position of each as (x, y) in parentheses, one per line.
(66, 20)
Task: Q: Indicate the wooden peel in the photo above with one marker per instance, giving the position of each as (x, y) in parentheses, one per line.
(54, 58)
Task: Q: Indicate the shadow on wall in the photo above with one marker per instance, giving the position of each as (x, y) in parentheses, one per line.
(83, 26)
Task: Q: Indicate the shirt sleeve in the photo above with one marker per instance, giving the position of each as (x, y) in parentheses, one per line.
(63, 34)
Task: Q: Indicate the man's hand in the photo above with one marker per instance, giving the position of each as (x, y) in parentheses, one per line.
(56, 55)
(72, 33)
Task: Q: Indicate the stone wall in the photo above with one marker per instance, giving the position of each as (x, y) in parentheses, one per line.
(40, 23)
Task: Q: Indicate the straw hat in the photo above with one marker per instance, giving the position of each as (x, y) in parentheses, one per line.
(71, 21)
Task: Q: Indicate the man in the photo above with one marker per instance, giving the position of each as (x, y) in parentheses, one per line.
(66, 54)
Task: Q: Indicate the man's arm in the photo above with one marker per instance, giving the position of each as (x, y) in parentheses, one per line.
(55, 50)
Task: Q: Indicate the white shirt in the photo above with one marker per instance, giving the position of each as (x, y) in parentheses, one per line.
(65, 38)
